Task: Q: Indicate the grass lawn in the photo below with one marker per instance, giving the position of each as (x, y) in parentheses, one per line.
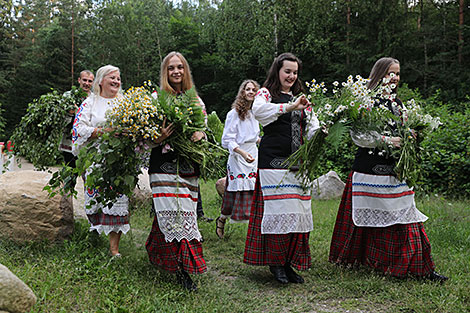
(78, 276)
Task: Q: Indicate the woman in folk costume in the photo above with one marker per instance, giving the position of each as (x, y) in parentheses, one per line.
(281, 215)
(240, 136)
(87, 126)
(174, 243)
(378, 224)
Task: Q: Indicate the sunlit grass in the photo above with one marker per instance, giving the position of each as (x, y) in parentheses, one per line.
(78, 275)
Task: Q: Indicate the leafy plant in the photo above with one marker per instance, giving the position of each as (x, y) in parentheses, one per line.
(38, 135)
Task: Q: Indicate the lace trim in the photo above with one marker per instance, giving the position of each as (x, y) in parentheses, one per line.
(378, 218)
(119, 208)
(106, 229)
(178, 225)
(287, 223)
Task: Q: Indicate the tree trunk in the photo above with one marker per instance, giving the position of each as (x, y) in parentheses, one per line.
(460, 44)
(348, 29)
(72, 59)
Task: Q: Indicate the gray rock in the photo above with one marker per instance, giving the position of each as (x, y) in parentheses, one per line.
(15, 295)
(328, 186)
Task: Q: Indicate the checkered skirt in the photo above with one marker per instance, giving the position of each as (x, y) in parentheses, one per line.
(174, 256)
(273, 249)
(237, 204)
(399, 250)
(108, 223)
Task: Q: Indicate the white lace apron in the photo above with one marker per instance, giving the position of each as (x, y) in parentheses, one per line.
(241, 174)
(381, 201)
(119, 208)
(287, 207)
(175, 200)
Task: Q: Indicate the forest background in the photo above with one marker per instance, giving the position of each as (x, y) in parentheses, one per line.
(44, 44)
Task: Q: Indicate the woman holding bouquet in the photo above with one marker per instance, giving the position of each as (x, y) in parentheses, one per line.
(240, 136)
(378, 224)
(87, 126)
(281, 215)
(174, 243)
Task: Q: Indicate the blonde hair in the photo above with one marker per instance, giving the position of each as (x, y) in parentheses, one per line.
(241, 104)
(187, 82)
(100, 74)
(380, 70)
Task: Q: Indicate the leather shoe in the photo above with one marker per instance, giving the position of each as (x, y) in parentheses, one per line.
(436, 277)
(293, 276)
(279, 273)
(185, 280)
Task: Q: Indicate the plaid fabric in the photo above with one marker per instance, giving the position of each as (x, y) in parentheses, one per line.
(271, 249)
(174, 256)
(399, 250)
(237, 204)
(108, 220)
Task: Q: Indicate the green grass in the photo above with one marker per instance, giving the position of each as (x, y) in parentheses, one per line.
(78, 276)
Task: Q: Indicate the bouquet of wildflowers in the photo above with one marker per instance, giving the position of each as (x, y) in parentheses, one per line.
(352, 107)
(113, 162)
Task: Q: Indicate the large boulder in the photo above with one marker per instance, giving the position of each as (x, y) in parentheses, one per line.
(220, 186)
(27, 213)
(15, 295)
(328, 186)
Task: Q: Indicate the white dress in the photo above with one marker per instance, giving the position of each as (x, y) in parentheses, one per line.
(92, 114)
(241, 134)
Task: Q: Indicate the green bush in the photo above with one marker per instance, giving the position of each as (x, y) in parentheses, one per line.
(40, 130)
(446, 155)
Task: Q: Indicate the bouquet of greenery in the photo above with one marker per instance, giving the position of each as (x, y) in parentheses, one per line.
(40, 130)
(114, 161)
(353, 107)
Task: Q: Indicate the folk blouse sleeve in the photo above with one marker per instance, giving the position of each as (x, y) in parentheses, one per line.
(265, 111)
(82, 126)
(313, 125)
(229, 135)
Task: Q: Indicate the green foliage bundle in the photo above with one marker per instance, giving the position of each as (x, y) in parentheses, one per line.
(114, 160)
(215, 130)
(38, 135)
(364, 112)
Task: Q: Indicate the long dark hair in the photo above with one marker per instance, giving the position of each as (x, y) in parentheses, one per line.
(273, 83)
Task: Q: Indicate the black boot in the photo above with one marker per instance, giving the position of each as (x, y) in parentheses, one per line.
(279, 273)
(436, 277)
(185, 280)
(293, 276)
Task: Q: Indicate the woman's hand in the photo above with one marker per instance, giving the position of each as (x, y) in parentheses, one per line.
(248, 157)
(395, 141)
(299, 104)
(100, 130)
(197, 135)
(166, 132)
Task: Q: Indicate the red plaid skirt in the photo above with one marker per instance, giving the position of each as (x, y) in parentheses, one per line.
(174, 256)
(107, 220)
(399, 250)
(270, 249)
(237, 204)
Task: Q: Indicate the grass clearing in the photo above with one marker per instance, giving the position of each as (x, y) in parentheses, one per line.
(78, 275)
